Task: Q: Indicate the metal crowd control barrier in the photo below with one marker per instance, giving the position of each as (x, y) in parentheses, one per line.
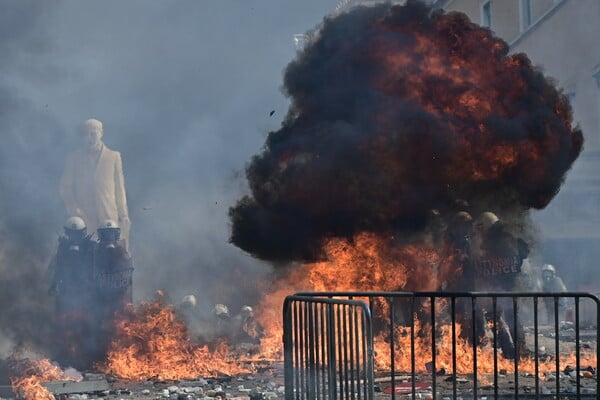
(328, 349)
(518, 345)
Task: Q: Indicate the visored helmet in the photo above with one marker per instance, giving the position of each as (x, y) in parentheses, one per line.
(109, 231)
(549, 267)
(221, 310)
(548, 271)
(485, 221)
(188, 302)
(246, 312)
(462, 218)
(75, 228)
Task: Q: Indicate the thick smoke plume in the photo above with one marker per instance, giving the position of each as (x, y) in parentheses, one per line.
(167, 108)
(398, 110)
(26, 167)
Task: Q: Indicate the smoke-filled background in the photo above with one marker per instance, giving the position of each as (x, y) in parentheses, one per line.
(396, 112)
(188, 92)
(185, 90)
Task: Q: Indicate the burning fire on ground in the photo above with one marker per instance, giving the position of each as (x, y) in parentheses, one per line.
(464, 354)
(152, 343)
(28, 376)
(387, 267)
(383, 266)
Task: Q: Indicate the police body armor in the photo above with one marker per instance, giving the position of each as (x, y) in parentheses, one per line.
(497, 267)
(72, 278)
(112, 281)
(499, 262)
(113, 271)
(73, 290)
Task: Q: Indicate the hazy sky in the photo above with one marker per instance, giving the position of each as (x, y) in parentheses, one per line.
(184, 88)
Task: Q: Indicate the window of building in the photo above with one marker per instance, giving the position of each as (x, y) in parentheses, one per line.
(486, 13)
(300, 40)
(596, 77)
(525, 14)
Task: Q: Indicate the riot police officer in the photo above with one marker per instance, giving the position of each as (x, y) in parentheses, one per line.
(552, 283)
(499, 254)
(498, 260)
(71, 284)
(112, 280)
(71, 268)
(113, 268)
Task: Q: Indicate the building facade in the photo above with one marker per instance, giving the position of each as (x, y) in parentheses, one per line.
(561, 37)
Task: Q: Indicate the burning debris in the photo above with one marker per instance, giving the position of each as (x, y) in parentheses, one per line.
(28, 376)
(150, 347)
(152, 342)
(42, 379)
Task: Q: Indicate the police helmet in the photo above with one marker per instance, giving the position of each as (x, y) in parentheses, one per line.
(462, 217)
(486, 220)
(221, 310)
(75, 228)
(246, 311)
(188, 301)
(548, 271)
(109, 231)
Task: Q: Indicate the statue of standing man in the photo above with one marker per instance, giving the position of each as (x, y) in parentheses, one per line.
(92, 186)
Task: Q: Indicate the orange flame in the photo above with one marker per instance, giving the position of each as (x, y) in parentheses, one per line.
(465, 353)
(372, 263)
(367, 263)
(481, 98)
(29, 376)
(152, 343)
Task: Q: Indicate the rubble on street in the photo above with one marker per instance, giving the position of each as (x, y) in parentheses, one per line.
(264, 385)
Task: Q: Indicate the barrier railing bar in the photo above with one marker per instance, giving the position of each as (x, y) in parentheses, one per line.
(557, 344)
(433, 358)
(344, 343)
(515, 335)
(577, 348)
(474, 346)
(495, 332)
(308, 356)
(536, 346)
(392, 334)
(453, 318)
(355, 366)
(413, 360)
(331, 348)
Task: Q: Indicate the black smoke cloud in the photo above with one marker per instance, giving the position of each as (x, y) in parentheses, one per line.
(396, 111)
